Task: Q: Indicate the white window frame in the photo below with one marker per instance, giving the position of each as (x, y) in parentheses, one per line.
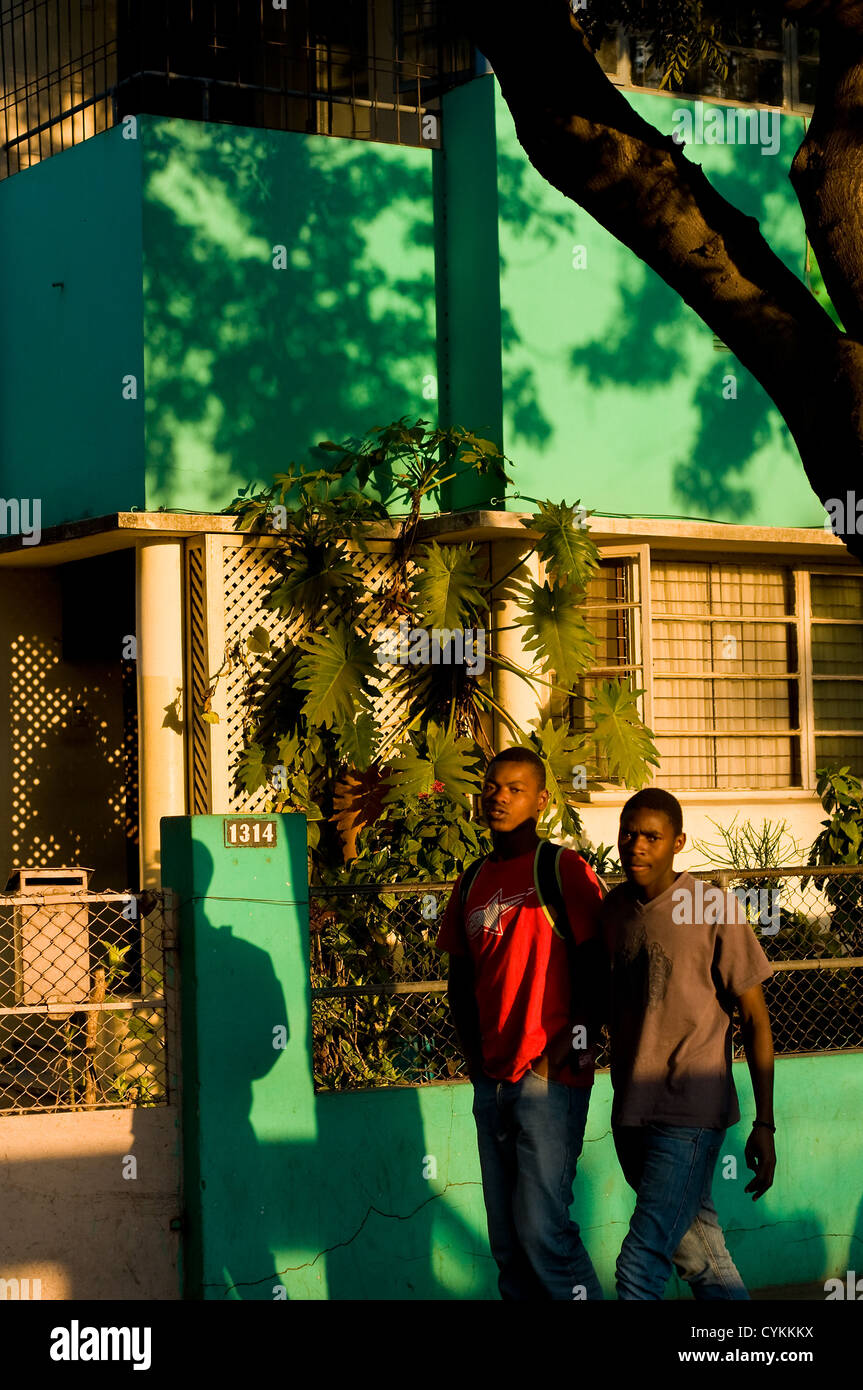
(644, 555)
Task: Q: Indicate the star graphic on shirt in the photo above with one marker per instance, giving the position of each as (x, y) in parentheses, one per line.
(489, 917)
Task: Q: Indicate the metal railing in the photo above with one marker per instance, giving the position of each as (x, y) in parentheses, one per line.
(83, 1000)
(380, 1016)
(73, 68)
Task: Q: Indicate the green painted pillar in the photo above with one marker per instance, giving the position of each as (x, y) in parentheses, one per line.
(467, 278)
(247, 1083)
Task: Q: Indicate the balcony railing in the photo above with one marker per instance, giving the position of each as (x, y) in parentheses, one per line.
(373, 70)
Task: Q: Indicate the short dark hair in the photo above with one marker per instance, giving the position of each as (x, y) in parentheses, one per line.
(521, 755)
(655, 799)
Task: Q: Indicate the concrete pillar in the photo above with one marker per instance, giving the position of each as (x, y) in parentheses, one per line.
(251, 1159)
(161, 721)
(522, 701)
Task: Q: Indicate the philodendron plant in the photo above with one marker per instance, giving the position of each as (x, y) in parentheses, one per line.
(352, 719)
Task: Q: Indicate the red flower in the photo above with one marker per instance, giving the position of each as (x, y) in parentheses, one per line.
(438, 786)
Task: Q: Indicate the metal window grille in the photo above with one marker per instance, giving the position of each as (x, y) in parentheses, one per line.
(82, 1000)
(371, 70)
(380, 1015)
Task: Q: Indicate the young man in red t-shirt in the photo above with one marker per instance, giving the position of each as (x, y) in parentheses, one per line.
(510, 990)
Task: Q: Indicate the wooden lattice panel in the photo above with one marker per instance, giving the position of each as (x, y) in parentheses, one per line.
(248, 575)
(229, 596)
(199, 775)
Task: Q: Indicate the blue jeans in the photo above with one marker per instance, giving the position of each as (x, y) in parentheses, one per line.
(674, 1222)
(530, 1135)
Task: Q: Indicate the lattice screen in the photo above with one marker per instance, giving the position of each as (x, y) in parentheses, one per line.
(237, 585)
(197, 684)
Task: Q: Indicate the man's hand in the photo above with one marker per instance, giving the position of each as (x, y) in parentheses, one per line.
(760, 1155)
(588, 1057)
(559, 1056)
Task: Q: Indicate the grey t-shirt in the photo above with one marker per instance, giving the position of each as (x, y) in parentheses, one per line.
(674, 982)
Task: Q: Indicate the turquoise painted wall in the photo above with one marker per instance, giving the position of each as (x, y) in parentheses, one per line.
(407, 273)
(324, 1195)
(246, 364)
(67, 435)
(612, 388)
(467, 278)
(165, 247)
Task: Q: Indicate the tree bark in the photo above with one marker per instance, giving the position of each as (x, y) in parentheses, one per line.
(827, 171)
(582, 135)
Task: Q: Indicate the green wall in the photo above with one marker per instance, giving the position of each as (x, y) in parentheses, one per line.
(612, 389)
(467, 278)
(408, 274)
(165, 247)
(67, 435)
(247, 364)
(324, 1196)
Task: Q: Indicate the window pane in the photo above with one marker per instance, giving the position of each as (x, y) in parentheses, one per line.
(727, 648)
(680, 588)
(611, 583)
(692, 763)
(693, 587)
(808, 79)
(840, 752)
(724, 706)
(838, 704)
(758, 81)
(837, 650)
(837, 596)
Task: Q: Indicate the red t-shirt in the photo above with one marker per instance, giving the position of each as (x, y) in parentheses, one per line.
(520, 964)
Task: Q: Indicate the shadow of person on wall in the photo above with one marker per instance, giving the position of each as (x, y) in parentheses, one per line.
(224, 1051)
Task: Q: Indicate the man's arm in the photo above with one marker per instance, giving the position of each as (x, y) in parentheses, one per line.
(593, 985)
(758, 1043)
(461, 992)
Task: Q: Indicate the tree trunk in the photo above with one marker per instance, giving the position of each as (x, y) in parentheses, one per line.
(583, 136)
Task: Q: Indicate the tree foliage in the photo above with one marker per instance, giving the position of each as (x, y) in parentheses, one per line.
(355, 717)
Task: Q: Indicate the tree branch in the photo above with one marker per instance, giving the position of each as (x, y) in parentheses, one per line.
(583, 136)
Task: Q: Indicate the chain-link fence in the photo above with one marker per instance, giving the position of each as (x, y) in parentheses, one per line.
(380, 1013)
(82, 1000)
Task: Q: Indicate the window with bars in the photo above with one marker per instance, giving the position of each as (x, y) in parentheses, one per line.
(837, 669)
(725, 674)
(614, 609)
(752, 672)
(365, 69)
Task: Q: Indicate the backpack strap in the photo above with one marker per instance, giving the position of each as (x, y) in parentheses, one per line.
(549, 889)
(468, 878)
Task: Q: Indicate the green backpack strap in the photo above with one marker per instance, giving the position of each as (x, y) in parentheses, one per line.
(546, 876)
(468, 878)
(549, 890)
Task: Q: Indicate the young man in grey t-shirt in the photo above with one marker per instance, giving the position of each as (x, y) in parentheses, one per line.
(682, 959)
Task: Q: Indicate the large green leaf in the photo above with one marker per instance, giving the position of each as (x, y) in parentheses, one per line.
(334, 672)
(563, 752)
(312, 579)
(556, 630)
(251, 770)
(448, 587)
(566, 548)
(620, 736)
(357, 740)
(445, 758)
